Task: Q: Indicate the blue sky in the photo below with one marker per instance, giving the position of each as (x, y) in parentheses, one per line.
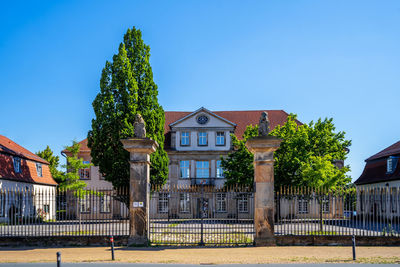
(337, 59)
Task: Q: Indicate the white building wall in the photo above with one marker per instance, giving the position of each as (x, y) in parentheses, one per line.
(96, 181)
(211, 138)
(27, 198)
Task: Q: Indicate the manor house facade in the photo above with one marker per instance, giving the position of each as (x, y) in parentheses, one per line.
(194, 142)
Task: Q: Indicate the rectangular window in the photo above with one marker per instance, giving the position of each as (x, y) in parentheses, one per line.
(84, 174)
(202, 169)
(39, 169)
(325, 204)
(303, 206)
(85, 204)
(220, 171)
(2, 204)
(162, 202)
(220, 139)
(221, 202)
(185, 138)
(184, 169)
(105, 203)
(184, 202)
(383, 200)
(393, 202)
(362, 198)
(243, 203)
(202, 138)
(46, 208)
(17, 164)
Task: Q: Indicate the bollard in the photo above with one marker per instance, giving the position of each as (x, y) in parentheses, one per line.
(58, 259)
(112, 247)
(354, 247)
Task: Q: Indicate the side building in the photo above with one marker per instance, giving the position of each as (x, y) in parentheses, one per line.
(378, 187)
(27, 189)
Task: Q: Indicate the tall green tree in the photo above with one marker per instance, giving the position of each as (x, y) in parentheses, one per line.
(308, 154)
(238, 166)
(127, 88)
(54, 161)
(306, 157)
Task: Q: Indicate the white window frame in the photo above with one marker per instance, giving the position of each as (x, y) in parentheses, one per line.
(184, 202)
(221, 203)
(105, 203)
(303, 206)
(84, 174)
(219, 169)
(39, 169)
(202, 138)
(202, 169)
(184, 169)
(325, 204)
(2, 204)
(383, 200)
(220, 138)
(163, 202)
(243, 203)
(17, 164)
(393, 200)
(84, 204)
(185, 139)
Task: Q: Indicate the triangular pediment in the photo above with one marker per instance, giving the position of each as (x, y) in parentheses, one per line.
(202, 118)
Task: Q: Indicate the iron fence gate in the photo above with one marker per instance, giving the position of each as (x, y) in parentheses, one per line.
(365, 211)
(201, 215)
(34, 212)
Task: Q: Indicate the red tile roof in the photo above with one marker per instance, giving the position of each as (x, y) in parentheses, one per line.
(28, 173)
(10, 147)
(389, 151)
(241, 118)
(376, 172)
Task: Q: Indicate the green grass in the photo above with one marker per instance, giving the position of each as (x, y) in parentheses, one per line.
(77, 233)
(322, 233)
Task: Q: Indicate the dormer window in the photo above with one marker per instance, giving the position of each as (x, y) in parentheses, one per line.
(391, 164)
(39, 169)
(17, 164)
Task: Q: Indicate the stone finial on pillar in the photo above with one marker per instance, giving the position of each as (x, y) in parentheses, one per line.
(139, 191)
(263, 148)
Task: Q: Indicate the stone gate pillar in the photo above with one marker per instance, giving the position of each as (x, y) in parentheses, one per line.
(263, 148)
(139, 191)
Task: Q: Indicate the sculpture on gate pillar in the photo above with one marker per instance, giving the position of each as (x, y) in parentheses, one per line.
(263, 125)
(139, 127)
(140, 149)
(263, 147)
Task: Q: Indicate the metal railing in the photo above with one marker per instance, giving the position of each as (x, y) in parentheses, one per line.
(38, 211)
(201, 215)
(365, 211)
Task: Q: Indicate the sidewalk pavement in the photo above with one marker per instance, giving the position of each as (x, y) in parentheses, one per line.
(198, 255)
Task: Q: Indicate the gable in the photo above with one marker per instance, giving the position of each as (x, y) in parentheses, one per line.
(202, 118)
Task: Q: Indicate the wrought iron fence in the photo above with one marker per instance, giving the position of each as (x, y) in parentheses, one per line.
(38, 211)
(201, 215)
(365, 211)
